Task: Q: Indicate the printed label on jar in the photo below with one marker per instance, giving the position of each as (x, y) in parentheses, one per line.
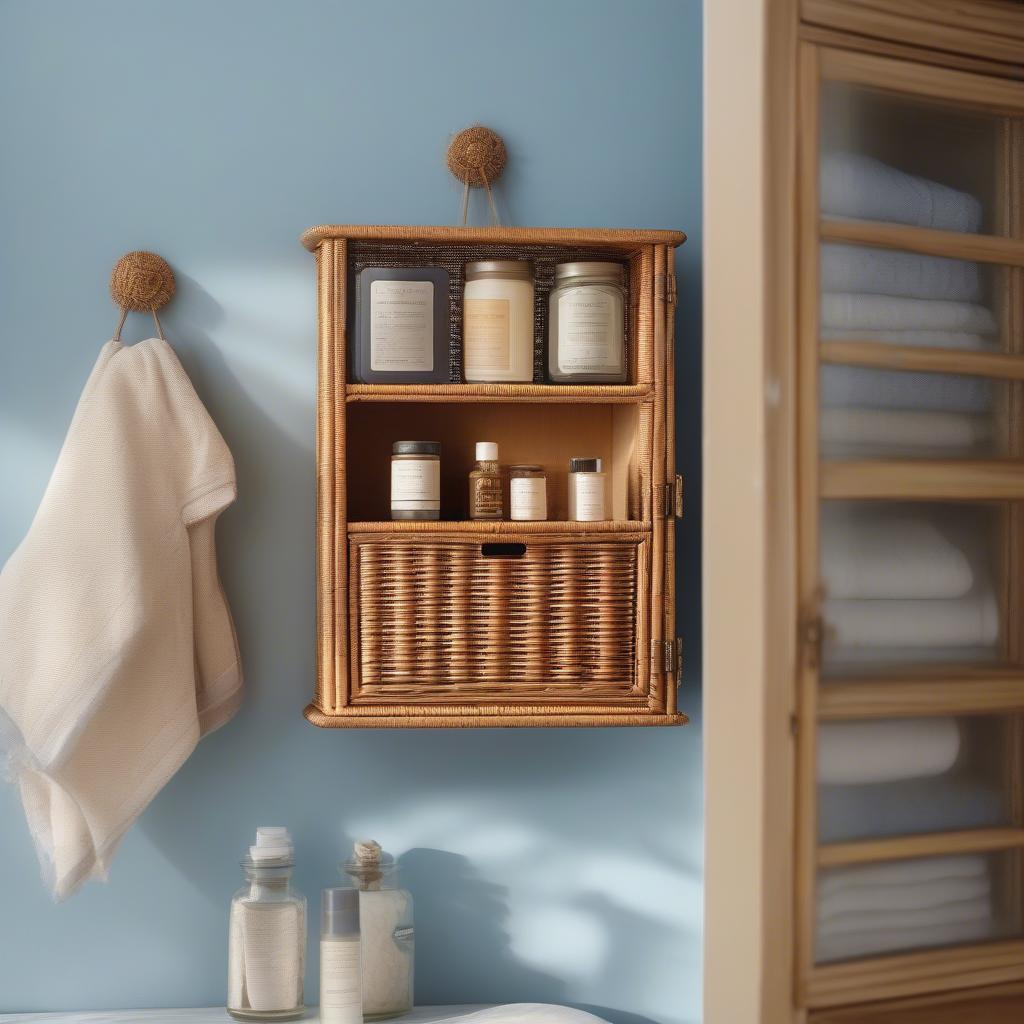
(590, 331)
(402, 326)
(529, 498)
(486, 336)
(589, 497)
(415, 485)
(341, 996)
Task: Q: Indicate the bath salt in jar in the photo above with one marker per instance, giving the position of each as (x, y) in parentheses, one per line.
(497, 322)
(587, 324)
(416, 480)
(386, 930)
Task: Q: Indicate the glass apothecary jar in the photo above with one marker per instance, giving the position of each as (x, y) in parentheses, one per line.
(587, 324)
(386, 928)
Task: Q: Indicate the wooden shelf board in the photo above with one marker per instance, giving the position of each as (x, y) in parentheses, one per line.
(626, 238)
(958, 693)
(484, 717)
(954, 480)
(550, 393)
(994, 1004)
(952, 244)
(500, 528)
(933, 844)
(851, 352)
(910, 974)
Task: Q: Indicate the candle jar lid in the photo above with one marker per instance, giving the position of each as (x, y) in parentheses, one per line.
(416, 448)
(585, 465)
(519, 270)
(615, 273)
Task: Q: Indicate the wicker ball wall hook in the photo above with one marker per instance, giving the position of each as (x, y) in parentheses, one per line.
(142, 282)
(477, 156)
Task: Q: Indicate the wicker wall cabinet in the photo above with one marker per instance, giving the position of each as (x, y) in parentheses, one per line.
(463, 623)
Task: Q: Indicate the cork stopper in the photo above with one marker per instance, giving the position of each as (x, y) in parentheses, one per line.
(477, 156)
(142, 281)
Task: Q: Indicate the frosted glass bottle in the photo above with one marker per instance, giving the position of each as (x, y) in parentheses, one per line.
(267, 934)
(386, 930)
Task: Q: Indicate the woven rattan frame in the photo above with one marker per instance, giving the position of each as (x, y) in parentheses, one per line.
(416, 626)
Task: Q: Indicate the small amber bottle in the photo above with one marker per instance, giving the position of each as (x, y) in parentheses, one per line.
(485, 483)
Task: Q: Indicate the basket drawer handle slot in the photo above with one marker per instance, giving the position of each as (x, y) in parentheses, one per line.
(503, 550)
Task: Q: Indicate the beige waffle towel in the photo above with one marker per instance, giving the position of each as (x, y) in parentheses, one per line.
(117, 650)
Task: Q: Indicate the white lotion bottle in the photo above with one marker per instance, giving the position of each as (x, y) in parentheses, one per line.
(341, 980)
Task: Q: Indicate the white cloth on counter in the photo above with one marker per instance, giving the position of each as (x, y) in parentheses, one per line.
(886, 750)
(864, 268)
(961, 340)
(958, 621)
(903, 430)
(117, 650)
(856, 311)
(861, 387)
(859, 186)
(882, 553)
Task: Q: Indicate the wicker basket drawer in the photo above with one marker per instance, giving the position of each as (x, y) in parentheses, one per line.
(470, 616)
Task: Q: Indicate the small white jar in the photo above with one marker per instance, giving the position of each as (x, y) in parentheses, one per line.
(497, 322)
(588, 498)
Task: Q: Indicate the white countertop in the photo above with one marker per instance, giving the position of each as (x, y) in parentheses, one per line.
(515, 1013)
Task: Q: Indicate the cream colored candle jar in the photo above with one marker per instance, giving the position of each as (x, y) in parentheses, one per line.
(497, 322)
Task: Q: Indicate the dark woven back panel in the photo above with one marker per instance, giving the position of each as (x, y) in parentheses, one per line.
(453, 258)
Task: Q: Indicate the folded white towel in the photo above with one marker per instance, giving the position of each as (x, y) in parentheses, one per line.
(875, 942)
(959, 621)
(859, 186)
(977, 908)
(962, 340)
(884, 899)
(898, 431)
(880, 553)
(860, 387)
(886, 750)
(863, 268)
(900, 873)
(116, 644)
(852, 311)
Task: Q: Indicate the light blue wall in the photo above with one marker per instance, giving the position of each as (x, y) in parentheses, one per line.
(547, 864)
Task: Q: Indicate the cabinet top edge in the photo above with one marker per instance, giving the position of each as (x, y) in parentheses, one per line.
(625, 237)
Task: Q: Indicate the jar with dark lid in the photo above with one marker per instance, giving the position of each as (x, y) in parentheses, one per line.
(416, 480)
(587, 324)
(588, 499)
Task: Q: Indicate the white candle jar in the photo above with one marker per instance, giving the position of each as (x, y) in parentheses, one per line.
(587, 324)
(497, 322)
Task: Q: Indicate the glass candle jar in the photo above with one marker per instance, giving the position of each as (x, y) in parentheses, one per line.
(416, 480)
(497, 322)
(587, 324)
(588, 500)
(528, 493)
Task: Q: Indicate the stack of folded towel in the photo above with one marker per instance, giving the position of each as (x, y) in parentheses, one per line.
(901, 584)
(902, 905)
(900, 298)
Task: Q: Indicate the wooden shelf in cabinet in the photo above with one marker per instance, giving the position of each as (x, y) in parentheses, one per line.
(911, 479)
(971, 691)
(934, 844)
(879, 355)
(500, 528)
(995, 1004)
(538, 393)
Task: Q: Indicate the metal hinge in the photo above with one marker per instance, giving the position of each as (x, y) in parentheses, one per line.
(674, 497)
(667, 657)
(812, 635)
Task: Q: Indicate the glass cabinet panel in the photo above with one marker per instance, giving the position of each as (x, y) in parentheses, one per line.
(900, 906)
(885, 777)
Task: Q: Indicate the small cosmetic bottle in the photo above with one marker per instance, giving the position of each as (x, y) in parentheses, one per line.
(341, 979)
(485, 483)
(588, 500)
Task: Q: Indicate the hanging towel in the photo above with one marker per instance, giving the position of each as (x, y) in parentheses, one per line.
(963, 340)
(879, 810)
(859, 186)
(862, 268)
(962, 621)
(869, 553)
(853, 311)
(860, 387)
(886, 750)
(852, 432)
(117, 650)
